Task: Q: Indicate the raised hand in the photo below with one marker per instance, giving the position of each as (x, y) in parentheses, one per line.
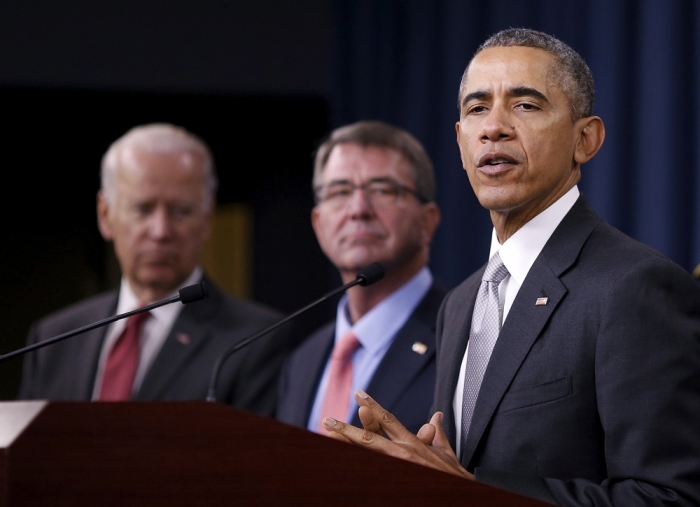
(429, 447)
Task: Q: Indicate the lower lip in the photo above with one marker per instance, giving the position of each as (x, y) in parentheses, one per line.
(495, 170)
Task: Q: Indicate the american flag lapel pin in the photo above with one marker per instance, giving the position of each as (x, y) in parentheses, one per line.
(183, 338)
(419, 348)
(541, 301)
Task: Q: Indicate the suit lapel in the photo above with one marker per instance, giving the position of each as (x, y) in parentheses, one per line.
(186, 337)
(401, 364)
(87, 351)
(308, 376)
(521, 328)
(525, 321)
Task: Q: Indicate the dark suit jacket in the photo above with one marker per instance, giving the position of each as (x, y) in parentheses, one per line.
(593, 399)
(402, 383)
(181, 370)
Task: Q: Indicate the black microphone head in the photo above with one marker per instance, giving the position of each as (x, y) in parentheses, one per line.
(372, 273)
(193, 293)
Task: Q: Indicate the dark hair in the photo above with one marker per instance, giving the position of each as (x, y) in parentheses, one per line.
(380, 134)
(574, 76)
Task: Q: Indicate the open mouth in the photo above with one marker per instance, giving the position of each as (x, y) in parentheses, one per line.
(495, 163)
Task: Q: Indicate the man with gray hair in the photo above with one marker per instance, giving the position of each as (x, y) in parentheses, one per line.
(569, 364)
(375, 194)
(155, 205)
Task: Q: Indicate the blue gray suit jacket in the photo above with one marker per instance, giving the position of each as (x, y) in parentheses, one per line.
(181, 370)
(403, 383)
(593, 398)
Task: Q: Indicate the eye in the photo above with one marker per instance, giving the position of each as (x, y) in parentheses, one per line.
(476, 109)
(180, 212)
(526, 106)
(338, 191)
(143, 209)
(382, 189)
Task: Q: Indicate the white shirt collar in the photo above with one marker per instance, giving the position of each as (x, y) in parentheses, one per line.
(519, 251)
(129, 301)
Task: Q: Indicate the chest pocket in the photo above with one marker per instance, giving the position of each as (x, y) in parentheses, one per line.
(537, 394)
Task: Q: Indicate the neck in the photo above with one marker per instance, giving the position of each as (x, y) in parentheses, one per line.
(510, 221)
(147, 294)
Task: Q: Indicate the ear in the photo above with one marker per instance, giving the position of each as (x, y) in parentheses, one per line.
(103, 221)
(461, 155)
(431, 220)
(316, 224)
(590, 134)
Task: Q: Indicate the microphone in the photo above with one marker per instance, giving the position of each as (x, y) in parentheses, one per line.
(186, 295)
(367, 276)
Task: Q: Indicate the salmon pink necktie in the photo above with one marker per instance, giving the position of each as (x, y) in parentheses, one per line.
(337, 399)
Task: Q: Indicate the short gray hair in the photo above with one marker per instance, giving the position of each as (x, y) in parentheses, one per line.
(158, 137)
(575, 78)
(382, 135)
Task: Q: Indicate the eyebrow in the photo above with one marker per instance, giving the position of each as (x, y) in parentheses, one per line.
(518, 91)
(373, 180)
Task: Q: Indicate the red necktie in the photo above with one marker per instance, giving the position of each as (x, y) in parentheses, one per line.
(337, 399)
(123, 361)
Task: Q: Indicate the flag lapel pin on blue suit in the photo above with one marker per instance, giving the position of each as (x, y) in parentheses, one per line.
(183, 338)
(541, 301)
(419, 348)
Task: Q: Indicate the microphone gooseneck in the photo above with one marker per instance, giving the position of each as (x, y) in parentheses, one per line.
(186, 295)
(367, 276)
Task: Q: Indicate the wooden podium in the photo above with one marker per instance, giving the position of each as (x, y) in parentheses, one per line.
(199, 453)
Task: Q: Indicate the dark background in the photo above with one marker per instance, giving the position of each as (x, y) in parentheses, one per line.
(264, 81)
(74, 76)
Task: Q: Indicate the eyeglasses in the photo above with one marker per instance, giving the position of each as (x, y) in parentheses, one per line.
(381, 193)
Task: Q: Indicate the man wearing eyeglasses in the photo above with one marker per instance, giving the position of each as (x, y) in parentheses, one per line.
(375, 191)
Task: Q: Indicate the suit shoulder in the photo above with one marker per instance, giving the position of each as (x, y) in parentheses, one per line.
(610, 250)
(322, 336)
(80, 313)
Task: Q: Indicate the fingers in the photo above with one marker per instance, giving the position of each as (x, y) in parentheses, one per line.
(440, 438)
(349, 433)
(369, 422)
(386, 420)
(426, 433)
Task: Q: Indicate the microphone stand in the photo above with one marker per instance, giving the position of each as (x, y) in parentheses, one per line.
(367, 276)
(187, 295)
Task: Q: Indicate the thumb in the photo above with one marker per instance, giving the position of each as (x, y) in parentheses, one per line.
(440, 440)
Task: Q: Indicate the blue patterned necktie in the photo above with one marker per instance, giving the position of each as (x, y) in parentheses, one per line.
(486, 325)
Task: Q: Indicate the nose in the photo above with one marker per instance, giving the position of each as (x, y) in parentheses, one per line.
(359, 205)
(497, 125)
(159, 224)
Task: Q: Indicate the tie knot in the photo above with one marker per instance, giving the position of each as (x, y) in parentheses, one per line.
(346, 346)
(495, 270)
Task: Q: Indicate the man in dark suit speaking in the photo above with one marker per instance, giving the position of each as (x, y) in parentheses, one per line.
(569, 366)
(374, 189)
(155, 204)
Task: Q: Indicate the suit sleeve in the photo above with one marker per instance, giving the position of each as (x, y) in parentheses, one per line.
(647, 380)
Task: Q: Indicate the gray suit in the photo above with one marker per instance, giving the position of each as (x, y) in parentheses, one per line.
(182, 368)
(594, 398)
